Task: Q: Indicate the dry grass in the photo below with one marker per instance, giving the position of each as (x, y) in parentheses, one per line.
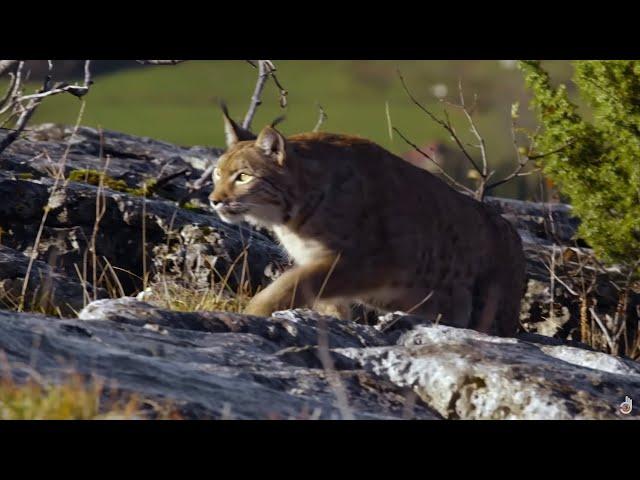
(605, 320)
(182, 299)
(74, 399)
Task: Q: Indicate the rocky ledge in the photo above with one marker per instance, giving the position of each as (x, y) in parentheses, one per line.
(212, 365)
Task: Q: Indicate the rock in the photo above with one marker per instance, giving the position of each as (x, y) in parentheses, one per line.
(131, 159)
(190, 247)
(47, 290)
(463, 374)
(223, 365)
(541, 223)
(182, 245)
(207, 366)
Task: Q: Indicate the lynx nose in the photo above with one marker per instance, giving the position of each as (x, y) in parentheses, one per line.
(216, 199)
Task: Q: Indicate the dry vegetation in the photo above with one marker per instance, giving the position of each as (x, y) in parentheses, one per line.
(74, 399)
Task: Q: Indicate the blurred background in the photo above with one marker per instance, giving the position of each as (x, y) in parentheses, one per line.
(178, 103)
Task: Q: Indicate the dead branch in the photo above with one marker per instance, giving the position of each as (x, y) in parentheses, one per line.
(160, 62)
(446, 125)
(605, 331)
(484, 174)
(474, 130)
(321, 119)
(25, 112)
(256, 98)
(5, 65)
(522, 161)
(13, 89)
(440, 169)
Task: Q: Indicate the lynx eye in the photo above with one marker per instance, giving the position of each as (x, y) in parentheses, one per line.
(243, 178)
(216, 173)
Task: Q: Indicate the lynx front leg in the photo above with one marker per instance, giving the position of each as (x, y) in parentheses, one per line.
(302, 286)
(340, 309)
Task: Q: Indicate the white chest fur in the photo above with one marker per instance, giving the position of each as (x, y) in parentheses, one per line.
(302, 250)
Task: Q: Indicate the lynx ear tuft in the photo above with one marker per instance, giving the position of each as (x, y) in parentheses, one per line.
(278, 120)
(233, 132)
(272, 143)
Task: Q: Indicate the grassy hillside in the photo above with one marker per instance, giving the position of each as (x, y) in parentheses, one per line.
(178, 103)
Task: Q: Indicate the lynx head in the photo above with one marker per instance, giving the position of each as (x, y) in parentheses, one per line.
(251, 178)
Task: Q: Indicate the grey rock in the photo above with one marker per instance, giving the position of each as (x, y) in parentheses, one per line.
(223, 365)
(182, 245)
(47, 289)
(542, 223)
(468, 375)
(132, 159)
(208, 365)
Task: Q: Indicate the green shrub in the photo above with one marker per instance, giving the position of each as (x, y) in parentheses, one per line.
(597, 163)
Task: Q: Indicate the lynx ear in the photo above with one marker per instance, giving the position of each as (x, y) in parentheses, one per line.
(272, 143)
(233, 132)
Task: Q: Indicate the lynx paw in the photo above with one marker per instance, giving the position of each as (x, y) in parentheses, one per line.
(259, 308)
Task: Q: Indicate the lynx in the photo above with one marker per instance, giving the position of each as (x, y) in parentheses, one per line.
(363, 226)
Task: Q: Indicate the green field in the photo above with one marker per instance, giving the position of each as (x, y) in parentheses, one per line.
(178, 103)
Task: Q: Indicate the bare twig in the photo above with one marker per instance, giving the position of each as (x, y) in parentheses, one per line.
(446, 125)
(204, 179)
(9, 101)
(12, 88)
(266, 69)
(5, 65)
(101, 208)
(159, 62)
(483, 172)
(25, 112)
(321, 119)
(387, 112)
(75, 90)
(34, 100)
(325, 355)
(440, 169)
(256, 101)
(474, 130)
(605, 331)
(54, 190)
